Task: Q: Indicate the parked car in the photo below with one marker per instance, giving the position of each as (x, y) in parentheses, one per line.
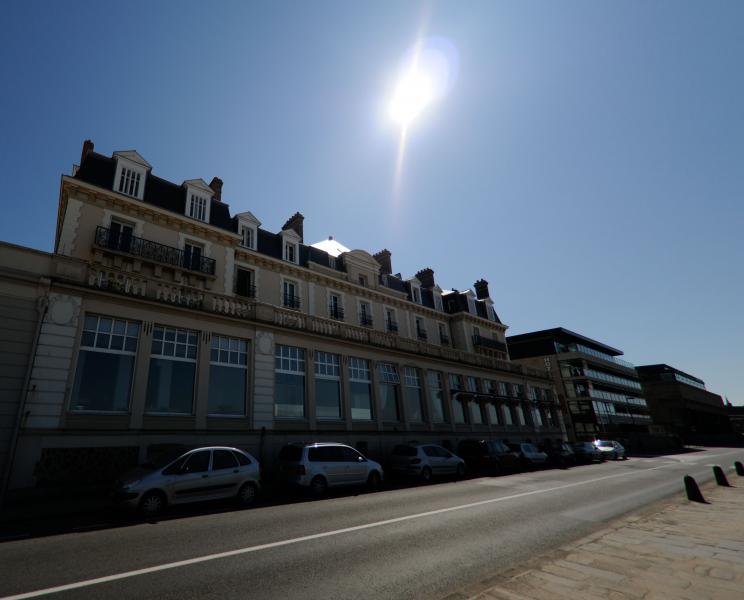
(559, 454)
(586, 452)
(318, 466)
(425, 461)
(611, 449)
(200, 474)
(489, 456)
(529, 455)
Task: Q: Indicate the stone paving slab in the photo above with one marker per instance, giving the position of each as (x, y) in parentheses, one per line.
(679, 550)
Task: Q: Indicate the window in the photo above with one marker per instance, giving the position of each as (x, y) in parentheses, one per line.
(289, 373)
(520, 415)
(198, 462)
(335, 307)
(443, 337)
(197, 207)
(365, 314)
(247, 237)
(290, 252)
(518, 390)
(332, 262)
(493, 414)
(507, 414)
(389, 382)
(503, 389)
(390, 321)
(228, 371)
(438, 303)
(476, 414)
(129, 182)
(536, 417)
(473, 384)
(223, 459)
(170, 384)
(105, 367)
(437, 399)
(458, 411)
(360, 387)
(244, 285)
(327, 386)
(416, 294)
(120, 236)
(420, 328)
(289, 294)
(192, 256)
(363, 280)
(412, 393)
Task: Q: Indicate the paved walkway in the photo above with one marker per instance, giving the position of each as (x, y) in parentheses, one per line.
(680, 550)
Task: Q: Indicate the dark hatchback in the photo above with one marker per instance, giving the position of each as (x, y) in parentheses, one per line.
(587, 453)
(559, 454)
(488, 456)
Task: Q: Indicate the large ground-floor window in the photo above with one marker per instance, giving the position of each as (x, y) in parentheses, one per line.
(228, 376)
(170, 382)
(414, 410)
(105, 366)
(327, 386)
(360, 387)
(437, 397)
(289, 382)
(389, 385)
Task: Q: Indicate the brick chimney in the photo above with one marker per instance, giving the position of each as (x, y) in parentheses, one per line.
(426, 277)
(216, 185)
(384, 258)
(481, 289)
(295, 222)
(87, 147)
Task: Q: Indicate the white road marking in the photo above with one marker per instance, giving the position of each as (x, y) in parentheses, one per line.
(307, 538)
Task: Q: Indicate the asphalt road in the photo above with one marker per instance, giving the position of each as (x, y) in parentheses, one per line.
(417, 542)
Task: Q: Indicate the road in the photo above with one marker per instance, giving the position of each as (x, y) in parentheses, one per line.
(416, 542)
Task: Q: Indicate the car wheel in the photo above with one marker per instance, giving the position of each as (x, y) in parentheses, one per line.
(152, 503)
(426, 474)
(460, 473)
(373, 481)
(247, 494)
(318, 486)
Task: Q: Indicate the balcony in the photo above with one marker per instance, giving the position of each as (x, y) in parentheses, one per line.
(392, 326)
(290, 301)
(421, 334)
(482, 342)
(336, 312)
(444, 339)
(153, 251)
(246, 291)
(365, 320)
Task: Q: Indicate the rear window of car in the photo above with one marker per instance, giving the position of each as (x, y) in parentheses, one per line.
(290, 453)
(402, 450)
(326, 454)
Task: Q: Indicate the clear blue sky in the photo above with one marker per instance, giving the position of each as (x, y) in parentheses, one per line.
(588, 161)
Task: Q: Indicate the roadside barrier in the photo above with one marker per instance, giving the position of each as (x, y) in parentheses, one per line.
(739, 468)
(693, 491)
(720, 476)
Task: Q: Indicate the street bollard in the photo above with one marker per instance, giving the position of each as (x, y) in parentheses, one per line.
(720, 476)
(693, 491)
(739, 468)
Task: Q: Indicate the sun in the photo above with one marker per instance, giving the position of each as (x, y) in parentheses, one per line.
(414, 92)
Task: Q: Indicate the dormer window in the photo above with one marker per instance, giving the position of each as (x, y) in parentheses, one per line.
(290, 251)
(247, 237)
(197, 207)
(129, 182)
(438, 302)
(248, 229)
(416, 293)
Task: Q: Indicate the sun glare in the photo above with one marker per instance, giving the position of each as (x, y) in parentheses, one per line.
(413, 94)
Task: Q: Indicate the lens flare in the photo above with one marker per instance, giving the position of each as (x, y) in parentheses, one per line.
(413, 94)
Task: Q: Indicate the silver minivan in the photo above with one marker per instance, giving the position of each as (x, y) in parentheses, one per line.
(320, 465)
(425, 461)
(200, 474)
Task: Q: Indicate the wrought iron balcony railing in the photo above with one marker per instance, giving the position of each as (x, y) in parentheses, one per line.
(336, 312)
(479, 340)
(392, 326)
(365, 320)
(291, 301)
(149, 250)
(246, 291)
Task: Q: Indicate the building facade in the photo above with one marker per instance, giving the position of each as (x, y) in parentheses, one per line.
(680, 403)
(171, 322)
(600, 393)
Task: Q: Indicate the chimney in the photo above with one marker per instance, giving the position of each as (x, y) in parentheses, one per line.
(426, 277)
(384, 258)
(216, 185)
(295, 222)
(87, 147)
(481, 289)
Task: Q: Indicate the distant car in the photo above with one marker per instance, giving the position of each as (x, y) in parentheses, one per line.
(529, 455)
(318, 466)
(425, 461)
(559, 455)
(200, 474)
(488, 456)
(611, 449)
(586, 452)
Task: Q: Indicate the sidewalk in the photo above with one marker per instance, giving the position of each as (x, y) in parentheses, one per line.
(681, 550)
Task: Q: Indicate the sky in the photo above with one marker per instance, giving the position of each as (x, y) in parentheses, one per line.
(587, 160)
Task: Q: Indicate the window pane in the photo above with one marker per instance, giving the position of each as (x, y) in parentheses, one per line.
(289, 394)
(227, 390)
(170, 386)
(198, 462)
(458, 411)
(361, 401)
(327, 399)
(102, 381)
(413, 404)
(475, 413)
(389, 402)
(437, 406)
(223, 459)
